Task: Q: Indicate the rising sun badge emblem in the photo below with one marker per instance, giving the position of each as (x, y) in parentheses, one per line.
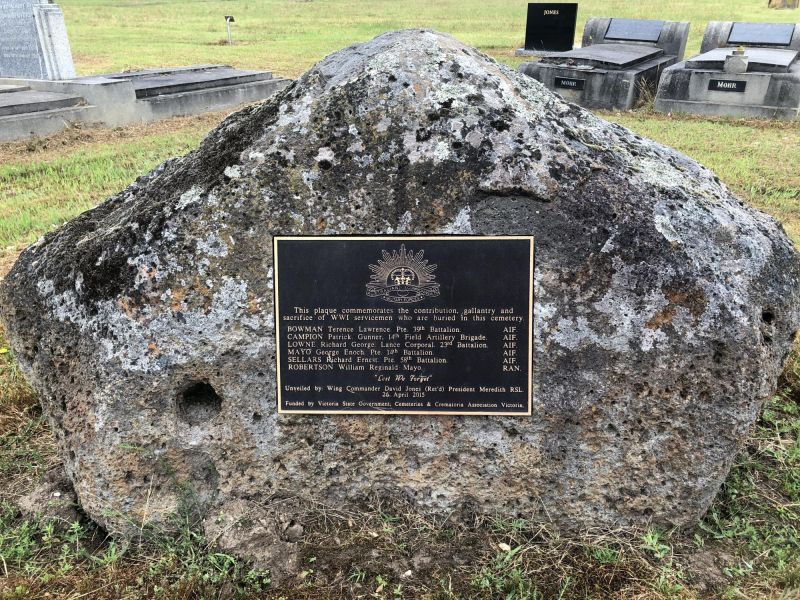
(402, 277)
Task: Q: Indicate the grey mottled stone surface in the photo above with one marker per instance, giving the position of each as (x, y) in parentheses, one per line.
(664, 306)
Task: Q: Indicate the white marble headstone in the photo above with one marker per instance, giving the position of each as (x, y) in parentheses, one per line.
(33, 41)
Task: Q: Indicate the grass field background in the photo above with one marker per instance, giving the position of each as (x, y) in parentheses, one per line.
(287, 36)
(748, 546)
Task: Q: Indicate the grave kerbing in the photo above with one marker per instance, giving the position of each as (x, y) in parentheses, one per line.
(743, 70)
(618, 62)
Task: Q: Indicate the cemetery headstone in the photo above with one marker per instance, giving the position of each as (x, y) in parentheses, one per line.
(33, 41)
(663, 309)
(744, 69)
(761, 34)
(550, 26)
(634, 30)
(618, 59)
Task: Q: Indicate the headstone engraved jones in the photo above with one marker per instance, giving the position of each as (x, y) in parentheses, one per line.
(550, 26)
(405, 325)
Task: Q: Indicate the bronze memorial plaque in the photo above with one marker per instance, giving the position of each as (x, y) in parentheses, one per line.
(404, 324)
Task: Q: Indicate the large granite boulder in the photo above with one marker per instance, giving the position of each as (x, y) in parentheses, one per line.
(664, 307)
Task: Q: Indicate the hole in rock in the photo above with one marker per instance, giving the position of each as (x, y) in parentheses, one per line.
(198, 403)
(768, 316)
(500, 125)
(324, 164)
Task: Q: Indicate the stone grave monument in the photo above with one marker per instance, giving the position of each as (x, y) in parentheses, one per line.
(743, 70)
(618, 59)
(33, 41)
(40, 94)
(414, 274)
(550, 27)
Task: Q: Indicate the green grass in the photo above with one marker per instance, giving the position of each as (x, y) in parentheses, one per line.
(757, 513)
(759, 161)
(41, 187)
(746, 548)
(43, 556)
(287, 36)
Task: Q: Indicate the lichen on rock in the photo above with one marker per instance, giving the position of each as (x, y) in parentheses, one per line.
(664, 306)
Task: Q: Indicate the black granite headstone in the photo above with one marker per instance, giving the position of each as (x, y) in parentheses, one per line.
(767, 34)
(551, 26)
(635, 30)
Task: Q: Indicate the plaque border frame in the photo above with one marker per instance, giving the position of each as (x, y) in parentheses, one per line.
(275, 239)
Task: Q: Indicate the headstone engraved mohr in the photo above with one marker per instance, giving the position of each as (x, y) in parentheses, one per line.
(618, 58)
(743, 69)
(404, 325)
(33, 41)
(570, 83)
(726, 85)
